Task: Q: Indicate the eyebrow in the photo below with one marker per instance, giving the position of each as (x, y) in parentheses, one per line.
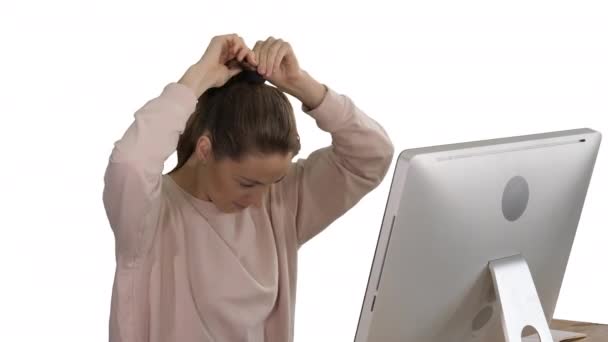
(256, 182)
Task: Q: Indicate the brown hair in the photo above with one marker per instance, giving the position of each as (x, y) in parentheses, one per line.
(245, 116)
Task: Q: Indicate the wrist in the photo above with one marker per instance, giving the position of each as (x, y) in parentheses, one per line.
(196, 78)
(308, 90)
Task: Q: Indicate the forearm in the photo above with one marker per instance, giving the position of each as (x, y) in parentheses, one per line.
(361, 143)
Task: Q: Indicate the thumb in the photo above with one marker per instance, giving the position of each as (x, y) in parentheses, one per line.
(234, 71)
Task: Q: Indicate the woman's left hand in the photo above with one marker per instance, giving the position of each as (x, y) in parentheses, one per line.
(278, 64)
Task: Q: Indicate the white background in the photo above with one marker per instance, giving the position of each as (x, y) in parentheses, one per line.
(431, 72)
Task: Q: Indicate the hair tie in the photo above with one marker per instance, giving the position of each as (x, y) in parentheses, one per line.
(248, 72)
(251, 76)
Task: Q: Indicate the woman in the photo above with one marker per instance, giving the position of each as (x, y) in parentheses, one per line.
(208, 252)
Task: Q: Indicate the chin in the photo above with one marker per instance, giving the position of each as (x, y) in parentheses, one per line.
(238, 207)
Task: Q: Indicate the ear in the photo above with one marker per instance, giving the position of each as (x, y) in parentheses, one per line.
(203, 151)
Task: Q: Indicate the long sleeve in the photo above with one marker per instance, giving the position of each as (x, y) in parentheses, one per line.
(132, 180)
(322, 187)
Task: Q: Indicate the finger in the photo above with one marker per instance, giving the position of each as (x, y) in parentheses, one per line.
(260, 54)
(228, 39)
(227, 47)
(272, 55)
(256, 51)
(248, 66)
(251, 58)
(235, 45)
(233, 67)
(266, 54)
(283, 51)
(234, 71)
(263, 58)
(242, 53)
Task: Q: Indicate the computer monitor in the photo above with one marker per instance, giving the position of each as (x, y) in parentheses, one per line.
(476, 237)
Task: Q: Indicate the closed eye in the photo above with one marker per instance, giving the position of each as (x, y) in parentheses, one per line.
(249, 185)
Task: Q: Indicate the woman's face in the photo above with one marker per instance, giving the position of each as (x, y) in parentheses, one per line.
(234, 186)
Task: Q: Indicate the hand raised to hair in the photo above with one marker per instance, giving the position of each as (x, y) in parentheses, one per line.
(217, 65)
(277, 62)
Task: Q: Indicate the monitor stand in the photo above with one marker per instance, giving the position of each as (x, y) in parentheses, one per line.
(520, 305)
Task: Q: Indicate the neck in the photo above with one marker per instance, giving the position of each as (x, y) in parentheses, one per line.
(186, 178)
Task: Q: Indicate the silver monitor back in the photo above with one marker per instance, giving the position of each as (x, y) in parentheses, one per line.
(454, 208)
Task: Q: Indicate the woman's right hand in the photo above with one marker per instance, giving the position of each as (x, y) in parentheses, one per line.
(213, 69)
